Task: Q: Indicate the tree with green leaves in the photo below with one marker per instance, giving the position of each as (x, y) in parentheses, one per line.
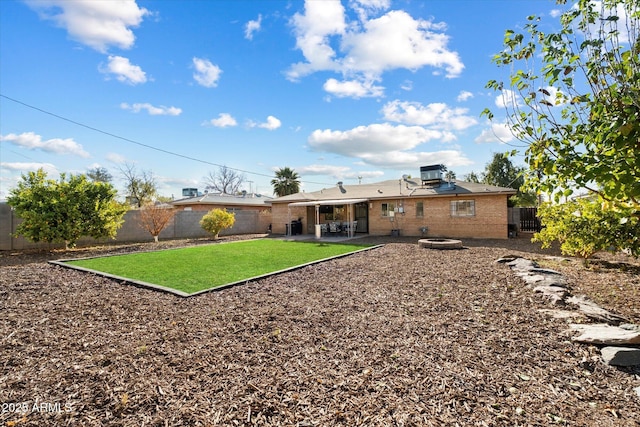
(99, 174)
(217, 220)
(472, 177)
(286, 182)
(65, 210)
(573, 97)
(502, 173)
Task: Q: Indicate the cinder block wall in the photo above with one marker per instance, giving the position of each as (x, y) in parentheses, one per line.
(185, 225)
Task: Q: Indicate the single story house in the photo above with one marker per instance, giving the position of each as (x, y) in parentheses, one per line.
(253, 211)
(426, 207)
(230, 202)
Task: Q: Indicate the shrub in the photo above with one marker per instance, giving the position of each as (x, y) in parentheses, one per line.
(217, 220)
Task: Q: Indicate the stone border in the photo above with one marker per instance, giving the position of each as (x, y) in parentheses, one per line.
(153, 286)
(619, 341)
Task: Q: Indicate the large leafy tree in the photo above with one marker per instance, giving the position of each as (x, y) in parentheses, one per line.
(287, 181)
(65, 210)
(574, 98)
(503, 173)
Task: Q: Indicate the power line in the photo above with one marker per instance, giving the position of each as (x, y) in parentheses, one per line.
(161, 150)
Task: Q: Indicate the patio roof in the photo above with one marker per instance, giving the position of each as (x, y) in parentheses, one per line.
(329, 202)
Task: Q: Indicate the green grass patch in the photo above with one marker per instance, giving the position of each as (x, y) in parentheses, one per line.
(200, 268)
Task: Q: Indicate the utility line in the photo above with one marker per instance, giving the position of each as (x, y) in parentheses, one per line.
(161, 150)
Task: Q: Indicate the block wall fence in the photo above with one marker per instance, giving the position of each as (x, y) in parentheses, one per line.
(185, 225)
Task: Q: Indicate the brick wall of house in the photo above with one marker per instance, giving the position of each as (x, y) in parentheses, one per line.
(490, 219)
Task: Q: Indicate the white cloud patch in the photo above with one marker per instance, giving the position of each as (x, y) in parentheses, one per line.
(385, 145)
(362, 50)
(124, 70)
(464, 96)
(206, 74)
(353, 88)
(272, 123)
(496, 132)
(151, 109)
(32, 141)
(252, 27)
(435, 115)
(223, 120)
(507, 98)
(98, 24)
(116, 158)
(29, 167)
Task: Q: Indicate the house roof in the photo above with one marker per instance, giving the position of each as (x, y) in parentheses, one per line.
(225, 199)
(394, 189)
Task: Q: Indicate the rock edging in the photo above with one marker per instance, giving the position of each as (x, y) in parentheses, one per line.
(618, 340)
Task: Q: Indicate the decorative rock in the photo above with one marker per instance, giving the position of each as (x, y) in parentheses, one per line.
(592, 310)
(605, 335)
(621, 356)
(554, 292)
(522, 264)
(562, 314)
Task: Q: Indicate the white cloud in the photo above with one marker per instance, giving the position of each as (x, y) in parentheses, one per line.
(116, 158)
(337, 172)
(464, 96)
(387, 146)
(206, 74)
(252, 27)
(224, 120)
(29, 167)
(368, 47)
(32, 141)
(353, 88)
(507, 98)
(124, 70)
(272, 123)
(397, 40)
(435, 115)
(152, 110)
(497, 132)
(98, 24)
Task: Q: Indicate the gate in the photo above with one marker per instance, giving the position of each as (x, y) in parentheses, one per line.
(529, 220)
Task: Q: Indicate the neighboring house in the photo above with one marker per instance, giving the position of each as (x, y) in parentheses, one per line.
(254, 209)
(231, 203)
(425, 207)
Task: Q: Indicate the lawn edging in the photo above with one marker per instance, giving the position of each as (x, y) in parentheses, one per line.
(153, 286)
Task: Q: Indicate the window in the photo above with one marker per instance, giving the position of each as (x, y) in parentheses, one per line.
(419, 209)
(388, 209)
(463, 208)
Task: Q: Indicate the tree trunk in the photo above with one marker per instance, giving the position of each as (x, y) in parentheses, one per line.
(155, 238)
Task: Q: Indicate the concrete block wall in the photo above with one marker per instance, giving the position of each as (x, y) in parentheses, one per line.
(185, 225)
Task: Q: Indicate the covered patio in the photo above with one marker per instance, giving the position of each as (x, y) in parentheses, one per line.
(346, 226)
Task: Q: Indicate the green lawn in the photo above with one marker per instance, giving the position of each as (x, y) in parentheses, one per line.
(199, 268)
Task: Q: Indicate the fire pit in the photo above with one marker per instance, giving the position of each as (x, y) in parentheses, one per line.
(440, 243)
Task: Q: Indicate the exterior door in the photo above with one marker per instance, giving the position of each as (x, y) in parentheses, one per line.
(362, 216)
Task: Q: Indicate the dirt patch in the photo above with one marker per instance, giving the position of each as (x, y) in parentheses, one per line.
(394, 336)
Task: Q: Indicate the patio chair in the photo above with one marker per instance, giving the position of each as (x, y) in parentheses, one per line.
(334, 227)
(323, 229)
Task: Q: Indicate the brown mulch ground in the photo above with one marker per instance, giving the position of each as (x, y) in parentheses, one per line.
(395, 336)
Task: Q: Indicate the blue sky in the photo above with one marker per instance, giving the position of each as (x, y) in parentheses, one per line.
(352, 91)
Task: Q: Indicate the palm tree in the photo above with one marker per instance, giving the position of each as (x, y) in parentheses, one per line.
(286, 182)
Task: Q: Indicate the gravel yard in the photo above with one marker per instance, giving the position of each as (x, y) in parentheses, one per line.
(395, 336)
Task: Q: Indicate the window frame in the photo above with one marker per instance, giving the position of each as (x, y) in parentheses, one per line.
(456, 212)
